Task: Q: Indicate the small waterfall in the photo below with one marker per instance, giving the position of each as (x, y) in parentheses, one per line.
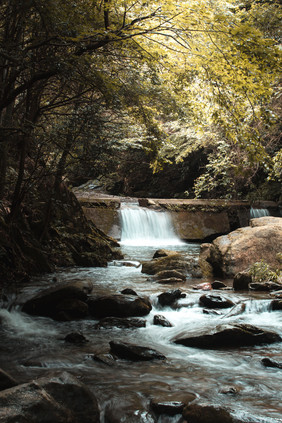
(141, 226)
(258, 213)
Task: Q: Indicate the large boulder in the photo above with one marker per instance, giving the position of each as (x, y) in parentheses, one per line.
(235, 252)
(173, 261)
(215, 301)
(169, 297)
(119, 305)
(64, 302)
(60, 398)
(230, 336)
(196, 413)
(120, 322)
(132, 352)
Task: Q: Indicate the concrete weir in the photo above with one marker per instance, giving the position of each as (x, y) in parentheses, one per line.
(193, 220)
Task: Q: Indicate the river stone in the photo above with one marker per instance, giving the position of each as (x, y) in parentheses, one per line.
(59, 398)
(163, 253)
(127, 409)
(128, 291)
(71, 308)
(215, 301)
(75, 338)
(171, 403)
(170, 281)
(166, 274)
(46, 303)
(230, 336)
(120, 322)
(174, 261)
(169, 297)
(242, 280)
(267, 362)
(132, 352)
(238, 250)
(6, 380)
(196, 413)
(218, 285)
(265, 286)
(160, 320)
(119, 305)
(276, 305)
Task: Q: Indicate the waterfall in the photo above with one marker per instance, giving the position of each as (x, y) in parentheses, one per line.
(142, 226)
(258, 213)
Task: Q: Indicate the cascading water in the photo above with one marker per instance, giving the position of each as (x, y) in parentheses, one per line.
(258, 212)
(141, 226)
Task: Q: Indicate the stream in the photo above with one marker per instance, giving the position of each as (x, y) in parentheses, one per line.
(32, 346)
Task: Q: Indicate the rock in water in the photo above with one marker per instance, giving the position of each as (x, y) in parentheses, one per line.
(60, 398)
(169, 297)
(160, 320)
(134, 352)
(196, 413)
(215, 301)
(119, 305)
(229, 336)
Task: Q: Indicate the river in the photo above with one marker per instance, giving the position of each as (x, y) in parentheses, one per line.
(32, 346)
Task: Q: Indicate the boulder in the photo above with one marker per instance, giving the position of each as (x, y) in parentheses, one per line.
(120, 322)
(128, 291)
(204, 286)
(169, 297)
(163, 253)
(228, 336)
(237, 251)
(174, 261)
(196, 413)
(166, 274)
(276, 305)
(170, 281)
(54, 300)
(267, 362)
(215, 301)
(127, 409)
(75, 338)
(60, 398)
(132, 352)
(119, 305)
(265, 286)
(6, 381)
(218, 285)
(160, 320)
(171, 403)
(242, 280)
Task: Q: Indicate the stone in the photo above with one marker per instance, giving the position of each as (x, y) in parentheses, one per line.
(160, 320)
(171, 403)
(174, 261)
(127, 409)
(215, 301)
(133, 352)
(265, 286)
(119, 305)
(166, 274)
(242, 280)
(197, 413)
(163, 253)
(107, 359)
(128, 291)
(120, 322)
(71, 308)
(228, 336)
(46, 303)
(205, 286)
(169, 297)
(170, 281)
(6, 380)
(238, 250)
(267, 362)
(276, 305)
(75, 338)
(58, 398)
(218, 285)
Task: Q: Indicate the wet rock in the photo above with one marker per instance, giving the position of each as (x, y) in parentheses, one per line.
(196, 413)
(60, 398)
(166, 274)
(267, 362)
(218, 285)
(6, 380)
(71, 308)
(230, 336)
(205, 286)
(171, 403)
(119, 305)
(175, 261)
(230, 390)
(241, 281)
(127, 410)
(238, 250)
(169, 297)
(163, 253)
(215, 301)
(265, 286)
(132, 352)
(277, 294)
(107, 359)
(76, 338)
(47, 303)
(170, 281)
(236, 310)
(276, 305)
(128, 291)
(120, 322)
(160, 320)
(212, 312)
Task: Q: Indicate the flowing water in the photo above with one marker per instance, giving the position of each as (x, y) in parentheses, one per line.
(32, 346)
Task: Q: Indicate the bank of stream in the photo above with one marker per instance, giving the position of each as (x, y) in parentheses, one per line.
(232, 378)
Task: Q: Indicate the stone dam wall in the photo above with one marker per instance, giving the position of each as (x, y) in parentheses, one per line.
(193, 220)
